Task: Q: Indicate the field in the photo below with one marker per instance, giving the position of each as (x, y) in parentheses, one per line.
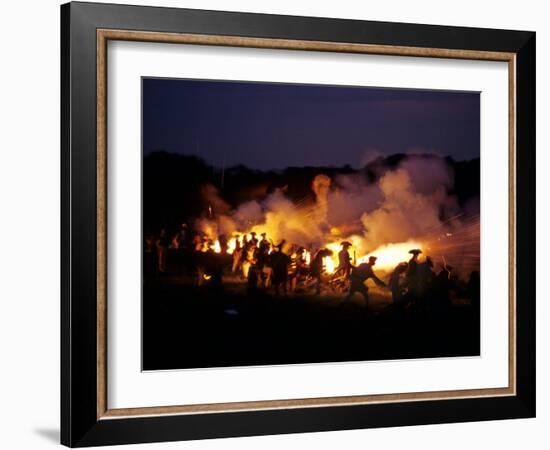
(186, 326)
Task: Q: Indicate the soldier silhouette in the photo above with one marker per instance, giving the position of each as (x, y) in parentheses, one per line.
(344, 261)
(359, 275)
(279, 262)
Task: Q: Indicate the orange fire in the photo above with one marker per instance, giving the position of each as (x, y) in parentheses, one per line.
(329, 264)
(216, 247)
(388, 255)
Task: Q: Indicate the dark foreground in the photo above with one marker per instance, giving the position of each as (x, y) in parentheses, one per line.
(188, 327)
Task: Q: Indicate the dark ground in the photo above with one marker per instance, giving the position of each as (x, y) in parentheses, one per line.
(189, 327)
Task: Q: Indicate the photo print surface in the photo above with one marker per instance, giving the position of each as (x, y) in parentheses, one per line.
(298, 224)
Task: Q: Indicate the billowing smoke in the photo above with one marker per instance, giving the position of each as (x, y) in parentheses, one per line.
(403, 213)
(217, 220)
(212, 200)
(406, 203)
(350, 198)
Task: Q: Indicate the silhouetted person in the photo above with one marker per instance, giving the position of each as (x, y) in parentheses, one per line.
(253, 240)
(344, 261)
(442, 288)
(396, 284)
(252, 279)
(247, 246)
(262, 256)
(223, 244)
(426, 276)
(411, 275)
(264, 244)
(237, 255)
(359, 275)
(279, 262)
(263, 250)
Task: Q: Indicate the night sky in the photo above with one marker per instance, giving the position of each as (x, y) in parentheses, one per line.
(273, 126)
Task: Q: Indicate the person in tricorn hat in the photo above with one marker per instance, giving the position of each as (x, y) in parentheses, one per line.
(426, 276)
(263, 247)
(237, 255)
(359, 275)
(411, 276)
(262, 253)
(442, 288)
(344, 261)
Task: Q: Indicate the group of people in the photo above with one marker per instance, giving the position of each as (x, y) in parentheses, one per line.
(417, 282)
(409, 281)
(265, 265)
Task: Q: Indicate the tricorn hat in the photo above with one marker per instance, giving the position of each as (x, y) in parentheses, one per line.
(346, 244)
(415, 251)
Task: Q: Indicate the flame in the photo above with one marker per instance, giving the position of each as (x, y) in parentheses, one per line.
(307, 257)
(216, 247)
(329, 264)
(390, 255)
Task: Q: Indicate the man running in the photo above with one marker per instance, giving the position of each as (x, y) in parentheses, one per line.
(359, 275)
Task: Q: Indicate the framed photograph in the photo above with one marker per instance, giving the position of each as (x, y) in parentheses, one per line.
(276, 224)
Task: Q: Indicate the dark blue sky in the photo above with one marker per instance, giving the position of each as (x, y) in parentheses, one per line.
(272, 126)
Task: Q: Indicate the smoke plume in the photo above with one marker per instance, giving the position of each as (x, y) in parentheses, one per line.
(407, 202)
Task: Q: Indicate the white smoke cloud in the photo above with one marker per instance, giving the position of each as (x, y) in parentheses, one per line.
(351, 196)
(403, 214)
(248, 214)
(404, 204)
